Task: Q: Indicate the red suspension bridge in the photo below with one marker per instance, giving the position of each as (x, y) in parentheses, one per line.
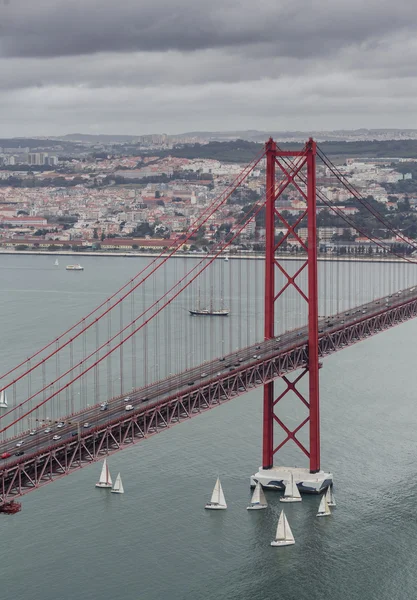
(140, 363)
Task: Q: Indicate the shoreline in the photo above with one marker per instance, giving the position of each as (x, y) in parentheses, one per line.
(250, 256)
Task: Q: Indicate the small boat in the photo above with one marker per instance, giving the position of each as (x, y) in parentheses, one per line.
(291, 493)
(226, 259)
(258, 500)
(56, 263)
(118, 486)
(105, 477)
(208, 312)
(218, 501)
(3, 399)
(74, 268)
(283, 536)
(10, 508)
(324, 510)
(330, 496)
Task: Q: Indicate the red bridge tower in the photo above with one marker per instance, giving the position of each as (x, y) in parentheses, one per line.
(297, 168)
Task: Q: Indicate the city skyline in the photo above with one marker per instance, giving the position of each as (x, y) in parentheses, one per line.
(123, 68)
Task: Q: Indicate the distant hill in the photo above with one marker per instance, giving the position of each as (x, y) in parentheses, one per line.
(99, 138)
(244, 151)
(336, 135)
(254, 135)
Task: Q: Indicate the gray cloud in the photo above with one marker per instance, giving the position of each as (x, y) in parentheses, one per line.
(292, 28)
(138, 66)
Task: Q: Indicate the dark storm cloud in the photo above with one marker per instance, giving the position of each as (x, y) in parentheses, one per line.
(300, 28)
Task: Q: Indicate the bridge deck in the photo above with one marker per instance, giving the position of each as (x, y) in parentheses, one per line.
(182, 396)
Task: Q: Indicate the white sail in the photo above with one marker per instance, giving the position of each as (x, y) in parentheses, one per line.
(284, 535)
(56, 263)
(118, 486)
(217, 497)
(258, 498)
(330, 497)
(222, 499)
(3, 399)
(324, 509)
(105, 477)
(216, 493)
(292, 493)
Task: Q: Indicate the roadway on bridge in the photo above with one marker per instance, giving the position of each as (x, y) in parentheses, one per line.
(81, 424)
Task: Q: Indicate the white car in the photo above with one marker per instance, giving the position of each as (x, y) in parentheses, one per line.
(86, 425)
(127, 399)
(60, 425)
(33, 432)
(129, 407)
(56, 437)
(19, 444)
(48, 430)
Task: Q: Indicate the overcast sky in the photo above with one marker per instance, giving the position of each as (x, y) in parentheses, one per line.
(153, 66)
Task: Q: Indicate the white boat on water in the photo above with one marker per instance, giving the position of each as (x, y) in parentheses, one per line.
(226, 259)
(291, 493)
(218, 501)
(118, 486)
(74, 268)
(283, 536)
(105, 477)
(56, 263)
(3, 399)
(324, 510)
(258, 500)
(330, 497)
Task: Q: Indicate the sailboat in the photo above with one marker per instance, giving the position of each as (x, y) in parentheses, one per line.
(283, 536)
(3, 399)
(105, 477)
(56, 263)
(291, 493)
(324, 510)
(211, 311)
(258, 500)
(330, 497)
(218, 501)
(118, 486)
(226, 259)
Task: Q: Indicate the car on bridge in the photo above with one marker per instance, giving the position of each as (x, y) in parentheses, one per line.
(129, 407)
(5, 455)
(56, 437)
